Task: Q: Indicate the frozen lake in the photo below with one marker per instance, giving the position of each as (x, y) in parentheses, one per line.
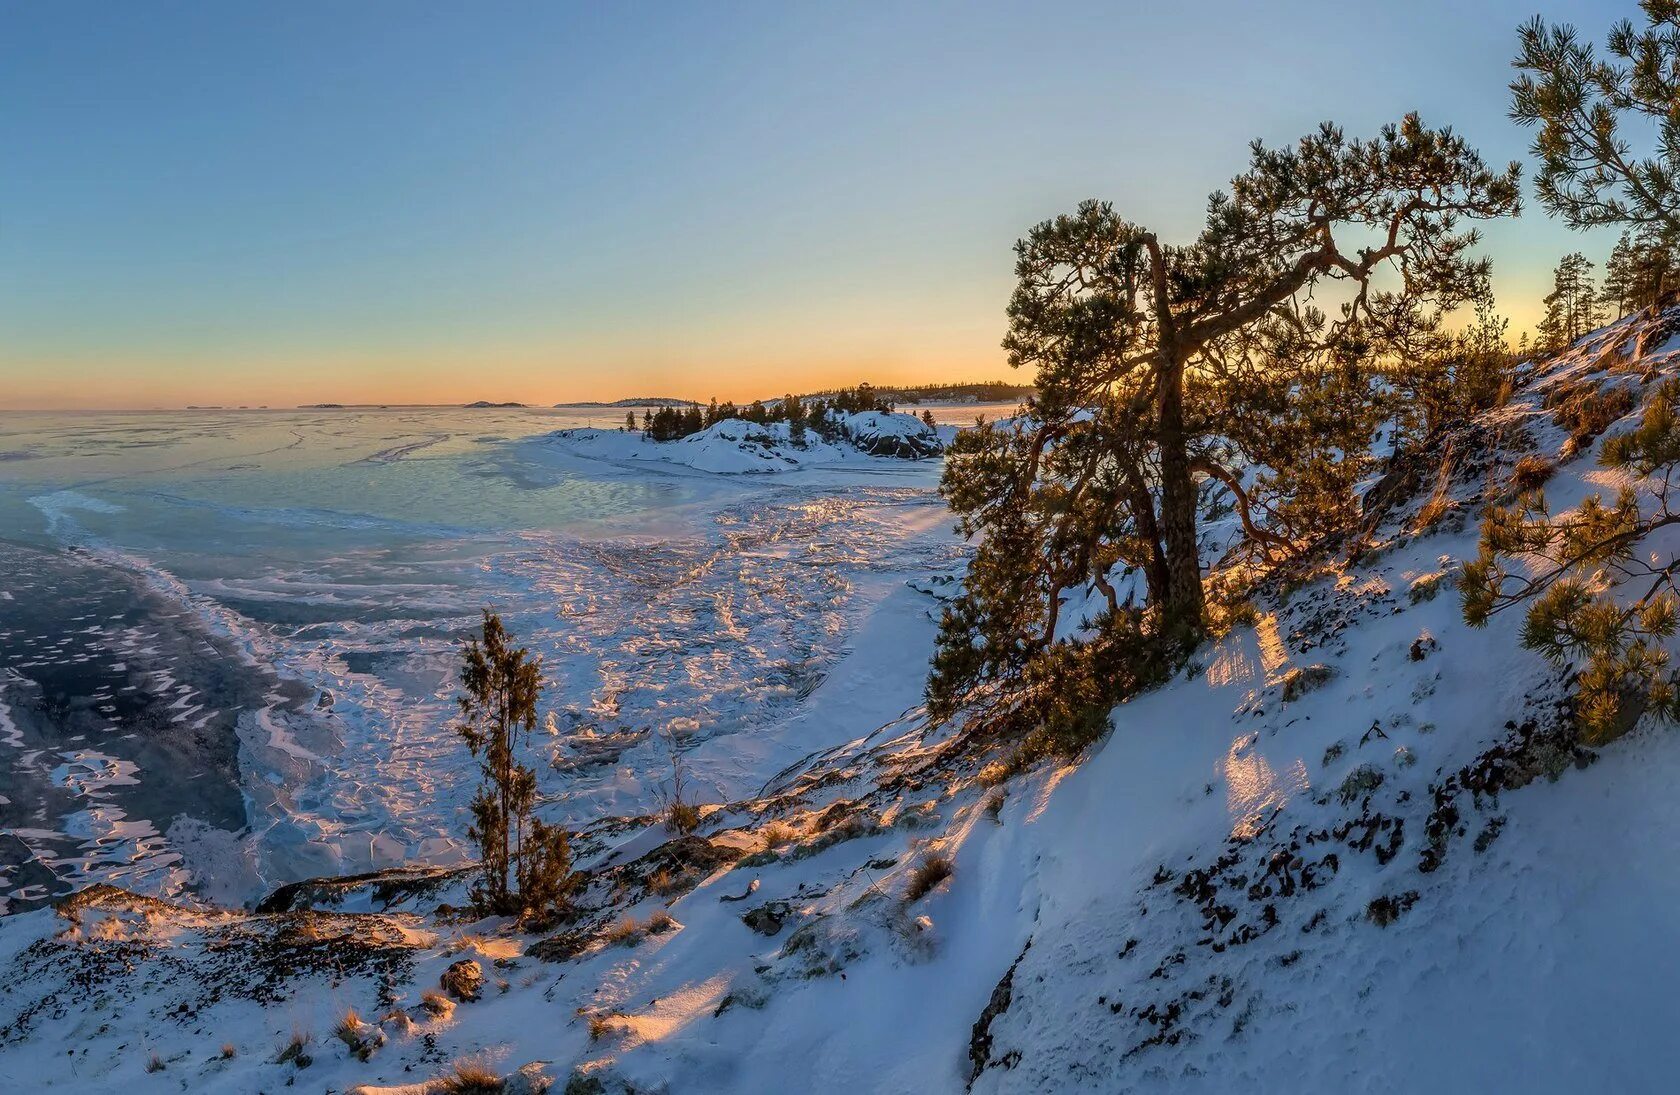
(227, 638)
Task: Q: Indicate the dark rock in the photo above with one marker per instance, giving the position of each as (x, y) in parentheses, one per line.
(768, 918)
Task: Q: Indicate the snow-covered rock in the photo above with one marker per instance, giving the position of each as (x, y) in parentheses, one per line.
(882, 433)
(736, 446)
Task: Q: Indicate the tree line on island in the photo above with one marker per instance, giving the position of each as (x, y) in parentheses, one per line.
(810, 413)
(1333, 288)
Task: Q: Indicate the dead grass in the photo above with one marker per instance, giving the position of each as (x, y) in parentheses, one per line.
(229, 1051)
(660, 923)
(1531, 473)
(470, 1078)
(1586, 410)
(398, 1020)
(348, 1025)
(623, 932)
(662, 882)
(295, 1050)
(435, 1003)
(154, 1063)
(1430, 514)
(777, 833)
(926, 875)
(683, 817)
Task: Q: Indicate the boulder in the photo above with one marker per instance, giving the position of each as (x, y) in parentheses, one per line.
(463, 980)
(768, 918)
(883, 433)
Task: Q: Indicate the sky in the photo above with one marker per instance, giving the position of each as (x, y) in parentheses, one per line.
(241, 203)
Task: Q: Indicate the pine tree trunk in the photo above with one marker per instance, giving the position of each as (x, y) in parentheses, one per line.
(1143, 505)
(1182, 610)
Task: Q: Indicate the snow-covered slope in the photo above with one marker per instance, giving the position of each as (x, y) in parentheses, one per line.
(1351, 848)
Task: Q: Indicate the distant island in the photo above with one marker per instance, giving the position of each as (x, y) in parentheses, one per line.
(974, 392)
(643, 401)
(994, 391)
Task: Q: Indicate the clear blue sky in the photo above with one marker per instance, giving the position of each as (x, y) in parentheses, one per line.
(301, 201)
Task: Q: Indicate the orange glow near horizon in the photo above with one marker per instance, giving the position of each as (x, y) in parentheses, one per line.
(462, 378)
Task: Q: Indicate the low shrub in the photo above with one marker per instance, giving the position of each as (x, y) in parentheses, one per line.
(682, 817)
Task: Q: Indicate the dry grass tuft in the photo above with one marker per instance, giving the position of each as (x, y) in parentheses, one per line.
(470, 1078)
(435, 1003)
(294, 1050)
(229, 1051)
(154, 1063)
(348, 1025)
(776, 834)
(623, 932)
(926, 875)
(683, 817)
(660, 923)
(1432, 511)
(1531, 473)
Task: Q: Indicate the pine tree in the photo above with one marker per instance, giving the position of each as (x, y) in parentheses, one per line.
(1160, 368)
(1572, 307)
(1617, 291)
(630, 421)
(1566, 569)
(526, 863)
(1589, 174)
(1641, 269)
(1455, 376)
